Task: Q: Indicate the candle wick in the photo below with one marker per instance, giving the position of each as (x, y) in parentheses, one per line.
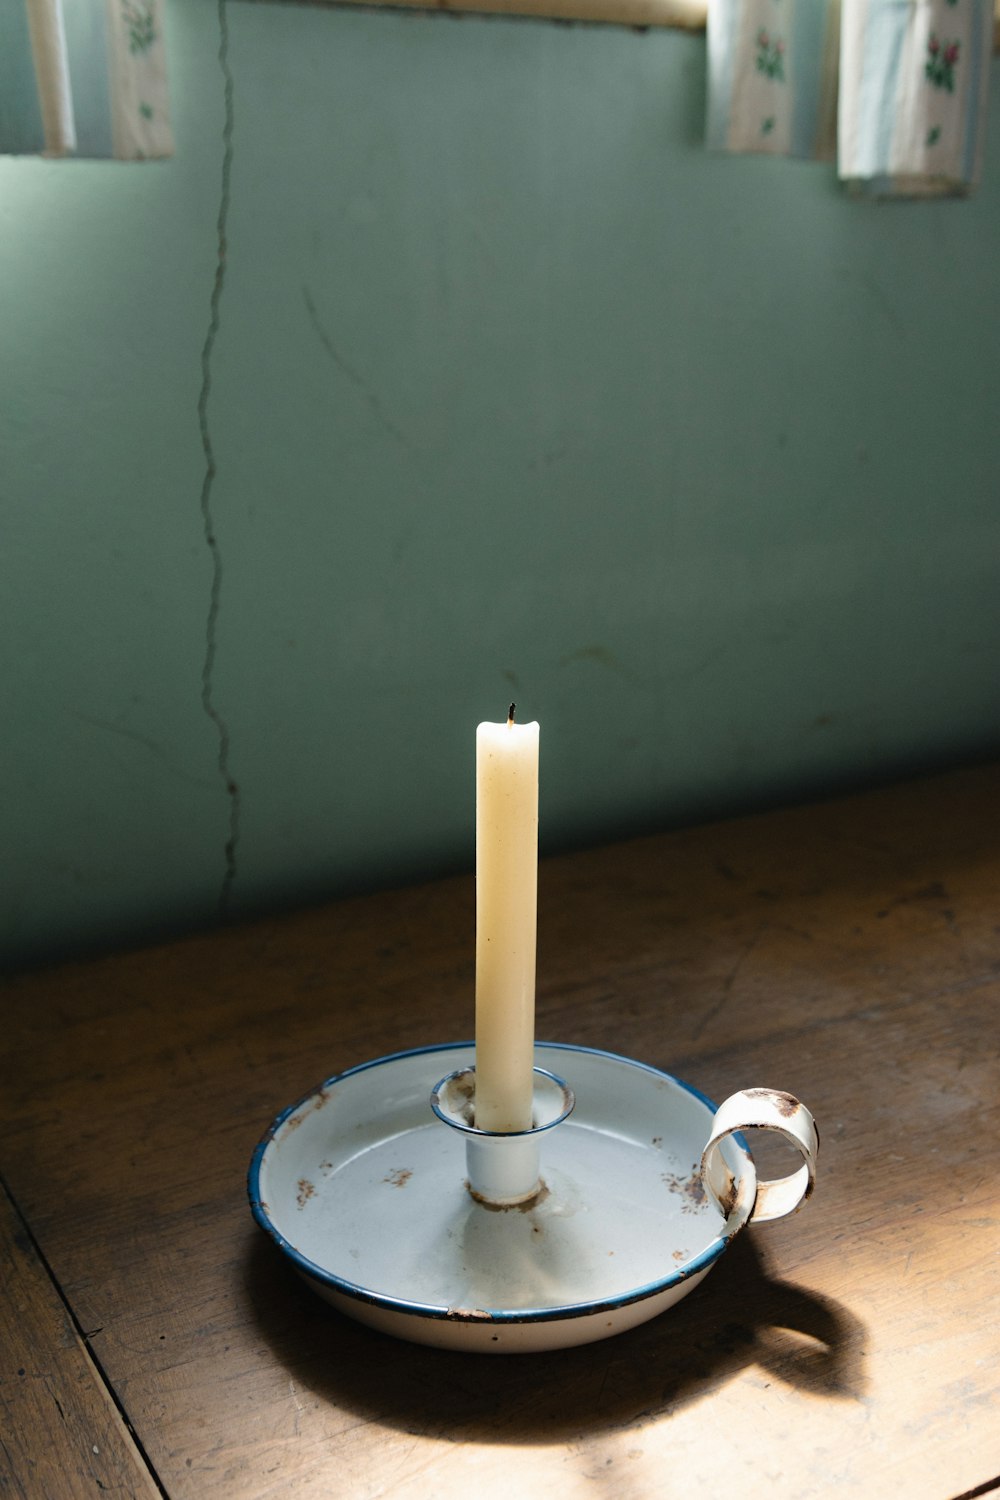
(510, 714)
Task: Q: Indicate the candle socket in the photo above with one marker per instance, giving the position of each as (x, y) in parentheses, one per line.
(502, 1165)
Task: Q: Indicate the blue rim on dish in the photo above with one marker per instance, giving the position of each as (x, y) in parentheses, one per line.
(317, 1273)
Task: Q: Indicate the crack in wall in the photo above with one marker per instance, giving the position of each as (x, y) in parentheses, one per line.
(208, 482)
(358, 381)
(141, 739)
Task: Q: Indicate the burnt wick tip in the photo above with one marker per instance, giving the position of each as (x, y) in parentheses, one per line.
(510, 713)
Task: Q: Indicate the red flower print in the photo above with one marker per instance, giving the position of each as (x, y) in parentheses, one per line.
(769, 55)
(939, 68)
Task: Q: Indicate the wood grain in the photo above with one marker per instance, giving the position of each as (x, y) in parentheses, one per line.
(61, 1436)
(849, 952)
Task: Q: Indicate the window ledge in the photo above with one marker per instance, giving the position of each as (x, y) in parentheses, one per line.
(689, 15)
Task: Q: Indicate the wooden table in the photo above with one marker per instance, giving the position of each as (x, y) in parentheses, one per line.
(154, 1342)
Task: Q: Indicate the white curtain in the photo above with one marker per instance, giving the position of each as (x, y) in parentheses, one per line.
(84, 78)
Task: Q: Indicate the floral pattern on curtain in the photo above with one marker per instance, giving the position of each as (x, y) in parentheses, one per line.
(84, 78)
(895, 90)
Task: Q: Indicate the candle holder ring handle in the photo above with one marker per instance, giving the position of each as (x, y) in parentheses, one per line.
(762, 1109)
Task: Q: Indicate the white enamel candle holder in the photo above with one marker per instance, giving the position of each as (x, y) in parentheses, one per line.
(384, 1195)
(503, 1166)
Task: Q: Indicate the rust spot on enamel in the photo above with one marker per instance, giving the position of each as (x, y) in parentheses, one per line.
(785, 1104)
(691, 1189)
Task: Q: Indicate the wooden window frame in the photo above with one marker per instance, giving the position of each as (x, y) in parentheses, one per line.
(687, 15)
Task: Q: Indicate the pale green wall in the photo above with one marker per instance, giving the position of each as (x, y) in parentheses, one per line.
(517, 392)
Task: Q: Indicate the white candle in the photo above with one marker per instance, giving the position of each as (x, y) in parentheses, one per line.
(506, 921)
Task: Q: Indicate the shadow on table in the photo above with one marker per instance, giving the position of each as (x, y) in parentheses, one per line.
(740, 1318)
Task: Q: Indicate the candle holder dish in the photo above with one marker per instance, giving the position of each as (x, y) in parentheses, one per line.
(641, 1187)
